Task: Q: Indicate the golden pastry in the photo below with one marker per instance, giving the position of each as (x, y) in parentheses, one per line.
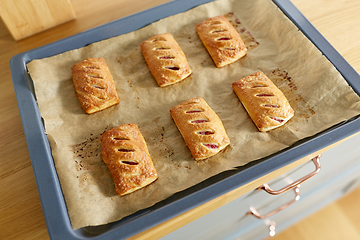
(200, 127)
(124, 151)
(221, 40)
(264, 102)
(165, 59)
(94, 85)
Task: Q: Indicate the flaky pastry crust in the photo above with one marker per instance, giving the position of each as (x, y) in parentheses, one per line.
(94, 85)
(221, 40)
(265, 103)
(124, 151)
(200, 127)
(165, 59)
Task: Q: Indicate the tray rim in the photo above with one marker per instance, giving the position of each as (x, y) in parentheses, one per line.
(52, 200)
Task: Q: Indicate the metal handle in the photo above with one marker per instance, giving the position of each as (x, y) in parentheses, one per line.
(254, 212)
(268, 189)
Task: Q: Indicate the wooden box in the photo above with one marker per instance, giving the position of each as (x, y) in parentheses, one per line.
(27, 17)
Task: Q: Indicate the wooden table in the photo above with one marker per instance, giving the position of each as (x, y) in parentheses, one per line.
(21, 215)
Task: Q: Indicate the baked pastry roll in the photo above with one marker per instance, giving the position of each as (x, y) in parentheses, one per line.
(94, 85)
(221, 40)
(165, 59)
(200, 127)
(124, 151)
(264, 102)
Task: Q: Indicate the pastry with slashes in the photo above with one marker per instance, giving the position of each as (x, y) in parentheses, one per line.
(94, 85)
(221, 40)
(124, 151)
(165, 59)
(200, 127)
(265, 103)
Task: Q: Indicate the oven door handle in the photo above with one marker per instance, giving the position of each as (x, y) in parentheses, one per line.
(268, 189)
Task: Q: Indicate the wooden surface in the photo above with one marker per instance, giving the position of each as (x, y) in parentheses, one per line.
(21, 215)
(24, 18)
(339, 220)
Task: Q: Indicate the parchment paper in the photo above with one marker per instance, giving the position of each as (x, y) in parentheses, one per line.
(319, 95)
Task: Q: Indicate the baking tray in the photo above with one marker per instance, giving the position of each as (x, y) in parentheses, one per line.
(52, 200)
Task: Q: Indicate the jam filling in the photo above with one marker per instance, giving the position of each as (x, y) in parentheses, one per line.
(200, 121)
(277, 119)
(264, 95)
(120, 138)
(167, 57)
(211, 145)
(130, 162)
(194, 111)
(205, 132)
(158, 39)
(162, 48)
(93, 67)
(223, 39)
(219, 31)
(94, 76)
(173, 68)
(126, 150)
(97, 86)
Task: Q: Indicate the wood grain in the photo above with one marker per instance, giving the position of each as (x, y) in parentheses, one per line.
(339, 220)
(24, 18)
(21, 215)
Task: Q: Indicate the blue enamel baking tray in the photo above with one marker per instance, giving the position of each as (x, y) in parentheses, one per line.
(53, 204)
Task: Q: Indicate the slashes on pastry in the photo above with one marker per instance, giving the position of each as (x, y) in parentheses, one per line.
(221, 40)
(94, 85)
(165, 59)
(265, 103)
(124, 151)
(200, 127)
